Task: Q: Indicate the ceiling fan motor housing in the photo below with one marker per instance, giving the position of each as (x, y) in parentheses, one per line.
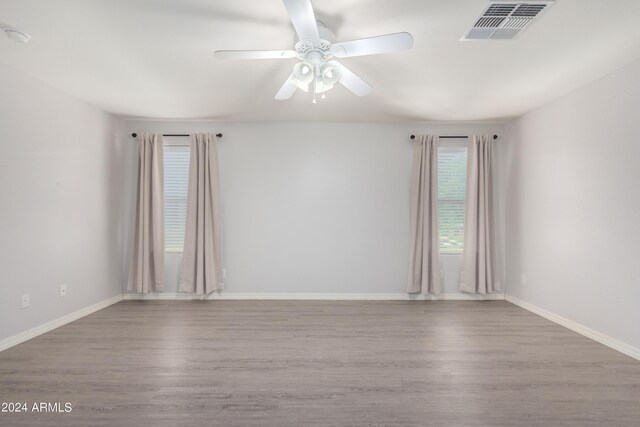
(322, 46)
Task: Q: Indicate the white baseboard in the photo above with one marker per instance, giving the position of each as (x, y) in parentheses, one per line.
(611, 342)
(56, 323)
(314, 296)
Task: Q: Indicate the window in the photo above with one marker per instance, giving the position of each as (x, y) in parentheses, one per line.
(452, 176)
(176, 183)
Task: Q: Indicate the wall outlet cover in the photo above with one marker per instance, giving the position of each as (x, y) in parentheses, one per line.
(63, 290)
(26, 301)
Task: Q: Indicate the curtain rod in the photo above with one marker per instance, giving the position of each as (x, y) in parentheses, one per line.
(454, 136)
(219, 135)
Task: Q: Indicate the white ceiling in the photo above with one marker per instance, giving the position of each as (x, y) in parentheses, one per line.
(154, 58)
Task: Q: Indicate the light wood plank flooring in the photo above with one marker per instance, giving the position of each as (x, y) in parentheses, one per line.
(325, 363)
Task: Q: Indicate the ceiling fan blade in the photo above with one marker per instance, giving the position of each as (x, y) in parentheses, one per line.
(255, 54)
(354, 83)
(303, 19)
(373, 45)
(287, 89)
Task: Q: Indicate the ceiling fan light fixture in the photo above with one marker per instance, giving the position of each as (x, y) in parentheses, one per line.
(330, 73)
(327, 76)
(303, 72)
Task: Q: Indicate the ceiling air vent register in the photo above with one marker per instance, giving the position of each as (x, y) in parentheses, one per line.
(505, 20)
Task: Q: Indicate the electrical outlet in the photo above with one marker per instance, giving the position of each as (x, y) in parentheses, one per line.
(523, 279)
(63, 290)
(26, 300)
(224, 273)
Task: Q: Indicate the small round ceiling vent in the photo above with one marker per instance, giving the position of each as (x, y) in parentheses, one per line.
(16, 35)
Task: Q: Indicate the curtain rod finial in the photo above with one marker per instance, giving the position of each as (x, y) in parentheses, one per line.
(413, 137)
(495, 136)
(134, 134)
(219, 135)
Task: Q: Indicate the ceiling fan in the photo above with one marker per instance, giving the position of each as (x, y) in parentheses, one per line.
(315, 48)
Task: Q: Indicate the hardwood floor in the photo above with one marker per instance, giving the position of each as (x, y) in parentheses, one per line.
(328, 363)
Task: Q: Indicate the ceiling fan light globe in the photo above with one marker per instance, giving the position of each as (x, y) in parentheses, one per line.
(303, 73)
(330, 73)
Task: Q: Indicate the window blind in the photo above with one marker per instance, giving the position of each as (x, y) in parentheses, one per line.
(176, 184)
(452, 176)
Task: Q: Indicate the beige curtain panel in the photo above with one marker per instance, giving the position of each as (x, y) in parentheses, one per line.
(424, 263)
(202, 256)
(146, 273)
(478, 259)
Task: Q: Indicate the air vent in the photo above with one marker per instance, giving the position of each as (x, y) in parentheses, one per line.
(505, 20)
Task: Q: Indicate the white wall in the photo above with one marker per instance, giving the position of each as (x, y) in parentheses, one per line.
(311, 207)
(61, 200)
(573, 211)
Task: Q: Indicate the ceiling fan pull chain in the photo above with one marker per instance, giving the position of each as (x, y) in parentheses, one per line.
(315, 84)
